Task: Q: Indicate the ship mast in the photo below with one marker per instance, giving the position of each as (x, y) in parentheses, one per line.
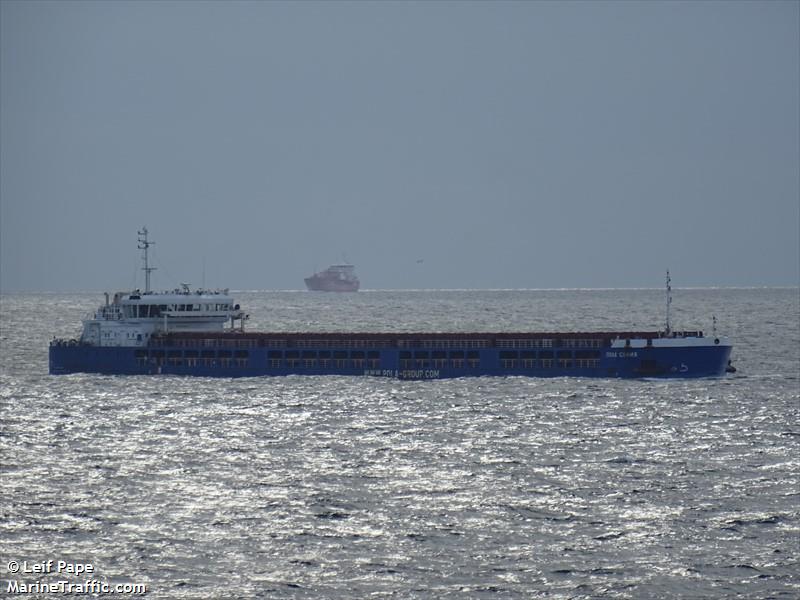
(144, 245)
(668, 328)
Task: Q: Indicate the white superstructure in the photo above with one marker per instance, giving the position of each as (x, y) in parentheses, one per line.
(133, 317)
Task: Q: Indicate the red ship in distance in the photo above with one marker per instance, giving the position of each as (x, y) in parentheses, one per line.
(336, 278)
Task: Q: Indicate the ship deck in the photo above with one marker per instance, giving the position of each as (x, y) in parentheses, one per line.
(406, 339)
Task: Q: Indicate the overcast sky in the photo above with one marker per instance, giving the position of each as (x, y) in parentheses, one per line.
(504, 145)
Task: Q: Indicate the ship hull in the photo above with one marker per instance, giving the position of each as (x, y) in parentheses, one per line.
(320, 284)
(401, 356)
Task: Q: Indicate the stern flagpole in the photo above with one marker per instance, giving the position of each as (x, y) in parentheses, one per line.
(668, 324)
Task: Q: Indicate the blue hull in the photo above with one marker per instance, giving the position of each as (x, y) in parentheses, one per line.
(410, 363)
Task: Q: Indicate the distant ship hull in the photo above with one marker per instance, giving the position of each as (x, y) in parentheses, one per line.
(321, 284)
(404, 355)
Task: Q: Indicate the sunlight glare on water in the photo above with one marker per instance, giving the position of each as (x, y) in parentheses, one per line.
(337, 487)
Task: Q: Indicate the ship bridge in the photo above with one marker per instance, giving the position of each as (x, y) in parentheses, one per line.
(131, 318)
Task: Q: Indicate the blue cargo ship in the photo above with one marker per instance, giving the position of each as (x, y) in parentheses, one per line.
(201, 332)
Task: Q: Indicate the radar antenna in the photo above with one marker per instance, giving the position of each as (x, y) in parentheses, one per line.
(144, 244)
(668, 325)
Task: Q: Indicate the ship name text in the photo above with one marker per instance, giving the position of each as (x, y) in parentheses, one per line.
(406, 374)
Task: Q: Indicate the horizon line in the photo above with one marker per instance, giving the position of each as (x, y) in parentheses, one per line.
(415, 290)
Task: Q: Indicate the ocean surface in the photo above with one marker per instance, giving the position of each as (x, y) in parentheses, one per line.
(339, 487)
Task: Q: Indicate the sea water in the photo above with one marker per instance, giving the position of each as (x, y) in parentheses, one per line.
(340, 487)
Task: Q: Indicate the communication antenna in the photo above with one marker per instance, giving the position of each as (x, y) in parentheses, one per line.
(668, 328)
(144, 245)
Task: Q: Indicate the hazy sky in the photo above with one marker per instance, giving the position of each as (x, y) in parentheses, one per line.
(520, 144)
